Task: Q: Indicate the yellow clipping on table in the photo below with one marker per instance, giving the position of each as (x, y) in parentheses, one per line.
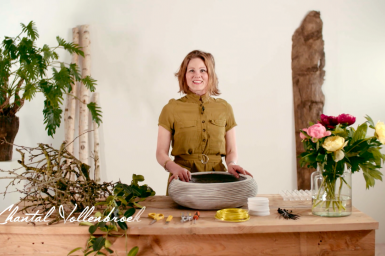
(232, 215)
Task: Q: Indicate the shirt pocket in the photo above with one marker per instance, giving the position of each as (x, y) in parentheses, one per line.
(217, 134)
(186, 136)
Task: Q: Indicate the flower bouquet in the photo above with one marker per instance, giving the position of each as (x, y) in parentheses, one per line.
(337, 150)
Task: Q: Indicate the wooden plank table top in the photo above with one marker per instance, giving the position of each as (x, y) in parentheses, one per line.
(207, 224)
(268, 235)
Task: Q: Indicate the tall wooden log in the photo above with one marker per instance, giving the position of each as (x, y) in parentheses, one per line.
(69, 114)
(84, 96)
(95, 98)
(308, 62)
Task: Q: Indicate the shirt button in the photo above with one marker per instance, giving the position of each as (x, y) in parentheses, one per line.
(203, 121)
(204, 130)
(204, 140)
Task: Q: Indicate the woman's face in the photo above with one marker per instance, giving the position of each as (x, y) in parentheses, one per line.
(196, 76)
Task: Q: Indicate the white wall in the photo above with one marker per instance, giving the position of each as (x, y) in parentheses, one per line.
(138, 45)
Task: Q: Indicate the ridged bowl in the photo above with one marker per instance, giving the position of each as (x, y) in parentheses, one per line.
(213, 190)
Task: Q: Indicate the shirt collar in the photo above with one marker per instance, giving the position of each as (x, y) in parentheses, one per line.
(192, 97)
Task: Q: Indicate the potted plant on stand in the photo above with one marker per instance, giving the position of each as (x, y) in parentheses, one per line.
(337, 150)
(24, 72)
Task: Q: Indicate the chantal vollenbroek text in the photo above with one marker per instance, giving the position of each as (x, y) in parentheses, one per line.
(84, 216)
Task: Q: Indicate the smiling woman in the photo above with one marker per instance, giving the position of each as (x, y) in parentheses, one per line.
(199, 127)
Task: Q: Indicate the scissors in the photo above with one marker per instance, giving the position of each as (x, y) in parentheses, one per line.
(156, 217)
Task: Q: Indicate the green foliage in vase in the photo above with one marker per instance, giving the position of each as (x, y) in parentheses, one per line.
(123, 202)
(333, 143)
(23, 74)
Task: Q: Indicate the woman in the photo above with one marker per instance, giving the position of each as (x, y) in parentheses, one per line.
(199, 127)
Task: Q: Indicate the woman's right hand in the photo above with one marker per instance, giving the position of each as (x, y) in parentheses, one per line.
(179, 172)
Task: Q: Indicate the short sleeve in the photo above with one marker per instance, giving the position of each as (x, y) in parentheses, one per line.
(230, 122)
(166, 118)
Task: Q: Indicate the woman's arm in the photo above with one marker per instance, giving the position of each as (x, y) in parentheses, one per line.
(162, 149)
(232, 155)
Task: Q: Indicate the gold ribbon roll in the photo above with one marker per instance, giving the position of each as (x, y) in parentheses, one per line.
(232, 215)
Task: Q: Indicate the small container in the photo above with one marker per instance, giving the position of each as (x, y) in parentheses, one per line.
(258, 206)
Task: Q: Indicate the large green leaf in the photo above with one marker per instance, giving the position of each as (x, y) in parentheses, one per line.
(52, 93)
(122, 225)
(29, 91)
(92, 229)
(340, 131)
(129, 212)
(133, 251)
(99, 243)
(107, 244)
(369, 180)
(320, 158)
(62, 78)
(10, 49)
(371, 174)
(89, 83)
(95, 111)
(74, 250)
(310, 158)
(355, 161)
(360, 133)
(370, 121)
(47, 53)
(377, 156)
(70, 47)
(74, 71)
(52, 118)
(31, 30)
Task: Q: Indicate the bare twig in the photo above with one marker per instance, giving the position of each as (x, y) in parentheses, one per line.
(47, 183)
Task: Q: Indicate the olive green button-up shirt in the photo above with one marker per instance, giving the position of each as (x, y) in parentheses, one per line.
(198, 125)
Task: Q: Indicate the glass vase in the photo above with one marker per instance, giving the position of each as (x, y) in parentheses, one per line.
(331, 192)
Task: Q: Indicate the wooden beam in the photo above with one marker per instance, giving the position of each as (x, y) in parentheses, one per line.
(308, 62)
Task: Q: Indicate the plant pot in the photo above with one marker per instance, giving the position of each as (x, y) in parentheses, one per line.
(9, 126)
(331, 193)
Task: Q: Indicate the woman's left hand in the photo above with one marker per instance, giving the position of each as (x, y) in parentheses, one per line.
(236, 169)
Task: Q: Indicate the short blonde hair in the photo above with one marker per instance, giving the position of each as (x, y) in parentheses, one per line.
(209, 61)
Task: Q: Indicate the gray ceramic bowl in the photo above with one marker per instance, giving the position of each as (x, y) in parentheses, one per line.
(213, 190)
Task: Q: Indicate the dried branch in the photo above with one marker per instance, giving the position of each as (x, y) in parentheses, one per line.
(47, 183)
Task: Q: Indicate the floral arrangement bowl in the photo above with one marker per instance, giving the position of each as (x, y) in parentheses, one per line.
(213, 190)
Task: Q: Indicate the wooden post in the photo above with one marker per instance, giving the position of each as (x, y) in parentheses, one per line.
(84, 95)
(69, 114)
(95, 98)
(308, 62)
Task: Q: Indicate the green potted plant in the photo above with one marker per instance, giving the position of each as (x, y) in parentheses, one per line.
(24, 72)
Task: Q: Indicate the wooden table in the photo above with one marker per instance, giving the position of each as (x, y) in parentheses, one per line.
(270, 235)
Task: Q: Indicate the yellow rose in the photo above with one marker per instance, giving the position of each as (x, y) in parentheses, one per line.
(380, 132)
(334, 143)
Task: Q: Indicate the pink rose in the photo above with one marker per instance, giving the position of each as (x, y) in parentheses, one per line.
(318, 131)
(346, 119)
